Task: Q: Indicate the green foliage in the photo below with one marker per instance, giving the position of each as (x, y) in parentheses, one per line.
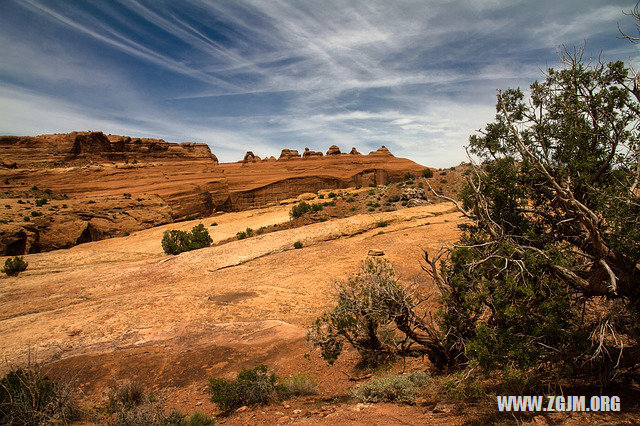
(427, 173)
(126, 195)
(299, 384)
(28, 397)
(303, 208)
(176, 242)
(297, 245)
(557, 217)
(41, 202)
(241, 235)
(125, 396)
(332, 195)
(249, 232)
(382, 224)
(409, 176)
(13, 266)
(199, 419)
(373, 313)
(398, 388)
(252, 387)
(394, 198)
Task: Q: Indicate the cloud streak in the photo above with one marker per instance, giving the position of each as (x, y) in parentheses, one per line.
(417, 76)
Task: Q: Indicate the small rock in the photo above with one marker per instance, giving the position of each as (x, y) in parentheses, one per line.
(285, 405)
(198, 403)
(375, 252)
(279, 413)
(297, 411)
(284, 419)
(241, 409)
(442, 408)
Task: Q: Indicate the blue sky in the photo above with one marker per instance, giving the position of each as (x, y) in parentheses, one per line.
(262, 75)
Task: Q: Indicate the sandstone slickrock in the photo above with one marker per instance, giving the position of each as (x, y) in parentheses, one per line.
(375, 252)
(354, 151)
(333, 150)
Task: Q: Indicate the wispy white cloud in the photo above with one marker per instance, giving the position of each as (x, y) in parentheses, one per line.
(417, 76)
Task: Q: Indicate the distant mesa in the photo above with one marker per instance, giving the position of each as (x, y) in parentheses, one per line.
(354, 151)
(381, 151)
(288, 154)
(250, 157)
(308, 153)
(333, 150)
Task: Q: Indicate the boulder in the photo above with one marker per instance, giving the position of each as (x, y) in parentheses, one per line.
(288, 154)
(375, 252)
(354, 151)
(333, 150)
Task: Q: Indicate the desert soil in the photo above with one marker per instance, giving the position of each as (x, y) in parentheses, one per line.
(117, 309)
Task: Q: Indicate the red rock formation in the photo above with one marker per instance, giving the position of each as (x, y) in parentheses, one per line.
(354, 151)
(249, 157)
(333, 150)
(381, 151)
(308, 153)
(288, 154)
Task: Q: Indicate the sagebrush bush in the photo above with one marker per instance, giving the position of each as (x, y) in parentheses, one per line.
(13, 266)
(28, 397)
(302, 208)
(252, 387)
(299, 384)
(297, 245)
(427, 173)
(125, 396)
(397, 388)
(176, 242)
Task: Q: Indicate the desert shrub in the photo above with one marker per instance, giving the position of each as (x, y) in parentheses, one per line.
(297, 245)
(199, 419)
(252, 387)
(249, 232)
(299, 209)
(351, 200)
(151, 414)
(261, 230)
(27, 218)
(35, 214)
(404, 203)
(21, 202)
(399, 388)
(330, 203)
(420, 185)
(13, 266)
(409, 176)
(41, 202)
(176, 242)
(321, 196)
(372, 209)
(372, 185)
(28, 397)
(125, 396)
(316, 207)
(353, 209)
(375, 313)
(126, 195)
(371, 192)
(444, 181)
(332, 195)
(382, 224)
(241, 235)
(427, 173)
(394, 198)
(214, 224)
(88, 202)
(299, 384)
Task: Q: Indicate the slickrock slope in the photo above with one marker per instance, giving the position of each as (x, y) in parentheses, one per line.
(65, 189)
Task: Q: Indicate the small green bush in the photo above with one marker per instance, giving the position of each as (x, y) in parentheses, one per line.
(41, 202)
(321, 196)
(28, 397)
(261, 230)
(252, 387)
(332, 195)
(176, 242)
(299, 384)
(353, 209)
(401, 389)
(35, 214)
(199, 419)
(371, 192)
(13, 266)
(427, 173)
(241, 235)
(351, 200)
(21, 202)
(126, 195)
(299, 209)
(125, 396)
(383, 223)
(297, 245)
(394, 198)
(409, 176)
(249, 232)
